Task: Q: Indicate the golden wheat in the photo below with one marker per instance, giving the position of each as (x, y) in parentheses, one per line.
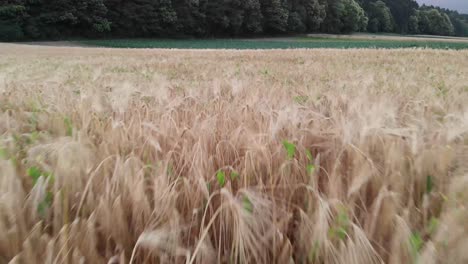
(297, 156)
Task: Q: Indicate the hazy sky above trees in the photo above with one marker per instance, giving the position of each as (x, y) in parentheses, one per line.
(460, 5)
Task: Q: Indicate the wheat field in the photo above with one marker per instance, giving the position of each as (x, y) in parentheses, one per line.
(293, 156)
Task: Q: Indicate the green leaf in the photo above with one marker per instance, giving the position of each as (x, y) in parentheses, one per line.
(17, 140)
(433, 224)
(169, 170)
(50, 176)
(337, 232)
(3, 153)
(341, 225)
(343, 219)
(301, 99)
(35, 173)
(34, 136)
(416, 243)
(45, 204)
(314, 252)
(49, 198)
(445, 243)
(309, 155)
(33, 120)
(208, 187)
(310, 168)
(68, 126)
(290, 149)
(220, 176)
(340, 232)
(429, 184)
(234, 175)
(41, 209)
(28, 140)
(247, 204)
(444, 197)
(265, 71)
(31, 138)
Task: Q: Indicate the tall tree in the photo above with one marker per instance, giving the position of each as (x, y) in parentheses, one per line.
(353, 17)
(167, 17)
(380, 17)
(142, 18)
(235, 13)
(413, 24)
(225, 17)
(344, 16)
(305, 15)
(332, 22)
(433, 22)
(53, 19)
(275, 16)
(402, 10)
(12, 15)
(252, 16)
(191, 17)
(459, 21)
(315, 13)
(216, 16)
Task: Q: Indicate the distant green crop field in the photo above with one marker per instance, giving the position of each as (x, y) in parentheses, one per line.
(289, 43)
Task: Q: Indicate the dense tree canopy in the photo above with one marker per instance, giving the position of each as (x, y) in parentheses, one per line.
(431, 21)
(380, 17)
(402, 10)
(344, 16)
(58, 19)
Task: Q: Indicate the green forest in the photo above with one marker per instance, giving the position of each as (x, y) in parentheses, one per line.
(65, 19)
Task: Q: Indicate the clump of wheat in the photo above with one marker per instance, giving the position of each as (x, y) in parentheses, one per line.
(324, 156)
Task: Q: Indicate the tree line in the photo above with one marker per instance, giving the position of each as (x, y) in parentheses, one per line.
(62, 19)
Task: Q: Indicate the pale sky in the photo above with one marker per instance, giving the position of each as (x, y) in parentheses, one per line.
(460, 5)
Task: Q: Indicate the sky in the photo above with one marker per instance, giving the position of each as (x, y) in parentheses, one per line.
(459, 5)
